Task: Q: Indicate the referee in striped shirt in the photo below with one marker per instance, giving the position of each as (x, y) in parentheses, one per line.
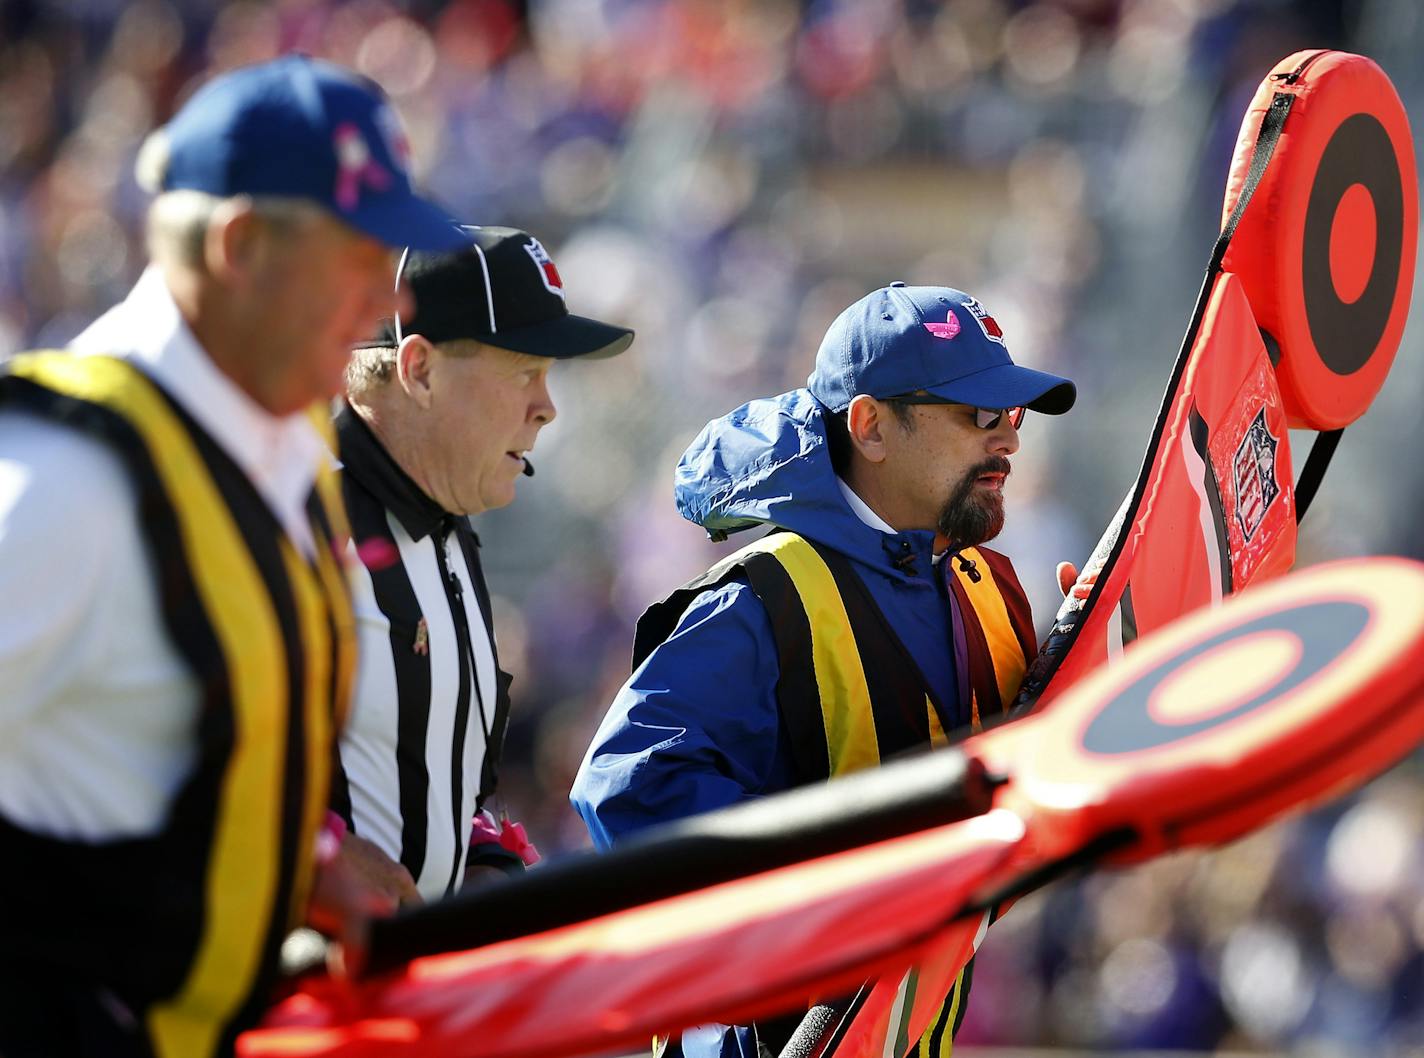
(442, 408)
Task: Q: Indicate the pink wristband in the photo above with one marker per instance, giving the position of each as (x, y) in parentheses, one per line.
(329, 838)
(511, 837)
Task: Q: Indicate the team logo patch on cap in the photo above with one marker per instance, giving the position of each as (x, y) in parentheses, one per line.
(948, 329)
(990, 326)
(355, 167)
(1254, 469)
(547, 271)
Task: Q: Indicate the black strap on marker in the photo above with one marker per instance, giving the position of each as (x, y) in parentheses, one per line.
(1313, 472)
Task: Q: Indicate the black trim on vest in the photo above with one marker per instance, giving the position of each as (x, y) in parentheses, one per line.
(796, 676)
(263, 534)
(898, 689)
(128, 915)
(326, 535)
(141, 936)
(798, 696)
(340, 784)
(660, 619)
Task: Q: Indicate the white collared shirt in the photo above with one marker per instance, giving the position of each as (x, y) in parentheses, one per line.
(279, 454)
(862, 509)
(866, 515)
(97, 709)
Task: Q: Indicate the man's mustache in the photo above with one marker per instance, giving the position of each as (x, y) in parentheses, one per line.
(992, 465)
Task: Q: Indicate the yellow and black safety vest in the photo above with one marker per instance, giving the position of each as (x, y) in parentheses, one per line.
(849, 692)
(183, 928)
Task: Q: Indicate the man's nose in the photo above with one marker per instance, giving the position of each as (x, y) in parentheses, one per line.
(541, 409)
(1004, 438)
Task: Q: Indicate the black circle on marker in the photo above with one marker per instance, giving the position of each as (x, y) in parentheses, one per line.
(1326, 630)
(1347, 335)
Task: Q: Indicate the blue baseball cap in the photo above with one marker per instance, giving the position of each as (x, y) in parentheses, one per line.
(900, 340)
(304, 128)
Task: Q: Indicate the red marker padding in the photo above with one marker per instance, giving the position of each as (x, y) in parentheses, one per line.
(1281, 697)
(1325, 249)
(1215, 506)
(1297, 324)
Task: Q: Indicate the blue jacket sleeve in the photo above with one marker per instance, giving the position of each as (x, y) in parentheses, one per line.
(695, 727)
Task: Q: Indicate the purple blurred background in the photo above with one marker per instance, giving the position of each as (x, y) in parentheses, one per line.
(725, 177)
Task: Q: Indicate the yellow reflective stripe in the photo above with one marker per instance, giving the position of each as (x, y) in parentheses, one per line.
(316, 649)
(242, 873)
(840, 677)
(927, 1037)
(937, 735)
(1004, 646)
(338, 598)
(956, 994)
(925, 1047)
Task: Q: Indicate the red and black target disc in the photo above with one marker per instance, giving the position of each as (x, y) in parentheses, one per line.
(1354, 237)
(1228, 717)
(1325, 248)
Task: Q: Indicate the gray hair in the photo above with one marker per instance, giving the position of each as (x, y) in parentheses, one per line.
(373, 366)
(178, 220)
(370, 368)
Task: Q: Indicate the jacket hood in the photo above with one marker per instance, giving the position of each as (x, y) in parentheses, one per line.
(768, 463)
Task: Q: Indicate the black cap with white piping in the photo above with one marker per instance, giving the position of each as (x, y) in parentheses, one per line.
(502, 290)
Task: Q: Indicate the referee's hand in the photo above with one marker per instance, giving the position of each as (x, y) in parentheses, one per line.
(358, 884)
(387, 881)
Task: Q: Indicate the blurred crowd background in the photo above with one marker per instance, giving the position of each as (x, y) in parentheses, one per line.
(725, 176)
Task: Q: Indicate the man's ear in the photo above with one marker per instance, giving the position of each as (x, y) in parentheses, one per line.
(865, 420)
(415, 358)
(232, 242)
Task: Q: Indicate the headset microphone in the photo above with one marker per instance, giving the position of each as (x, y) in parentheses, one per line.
(528, 471)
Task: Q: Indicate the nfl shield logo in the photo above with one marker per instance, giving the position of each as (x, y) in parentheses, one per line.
(990, 326)
(547, 271)
(1254, 469)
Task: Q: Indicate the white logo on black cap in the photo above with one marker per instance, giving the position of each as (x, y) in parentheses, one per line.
(547, 272)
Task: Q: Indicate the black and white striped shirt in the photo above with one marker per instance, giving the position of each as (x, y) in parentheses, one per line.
(420, 751)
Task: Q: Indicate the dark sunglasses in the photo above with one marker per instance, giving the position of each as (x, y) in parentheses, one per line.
(984, 418)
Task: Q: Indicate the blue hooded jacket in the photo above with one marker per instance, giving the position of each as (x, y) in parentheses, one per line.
(697, 726)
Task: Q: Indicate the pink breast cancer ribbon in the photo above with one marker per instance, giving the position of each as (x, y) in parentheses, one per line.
(355, 167)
